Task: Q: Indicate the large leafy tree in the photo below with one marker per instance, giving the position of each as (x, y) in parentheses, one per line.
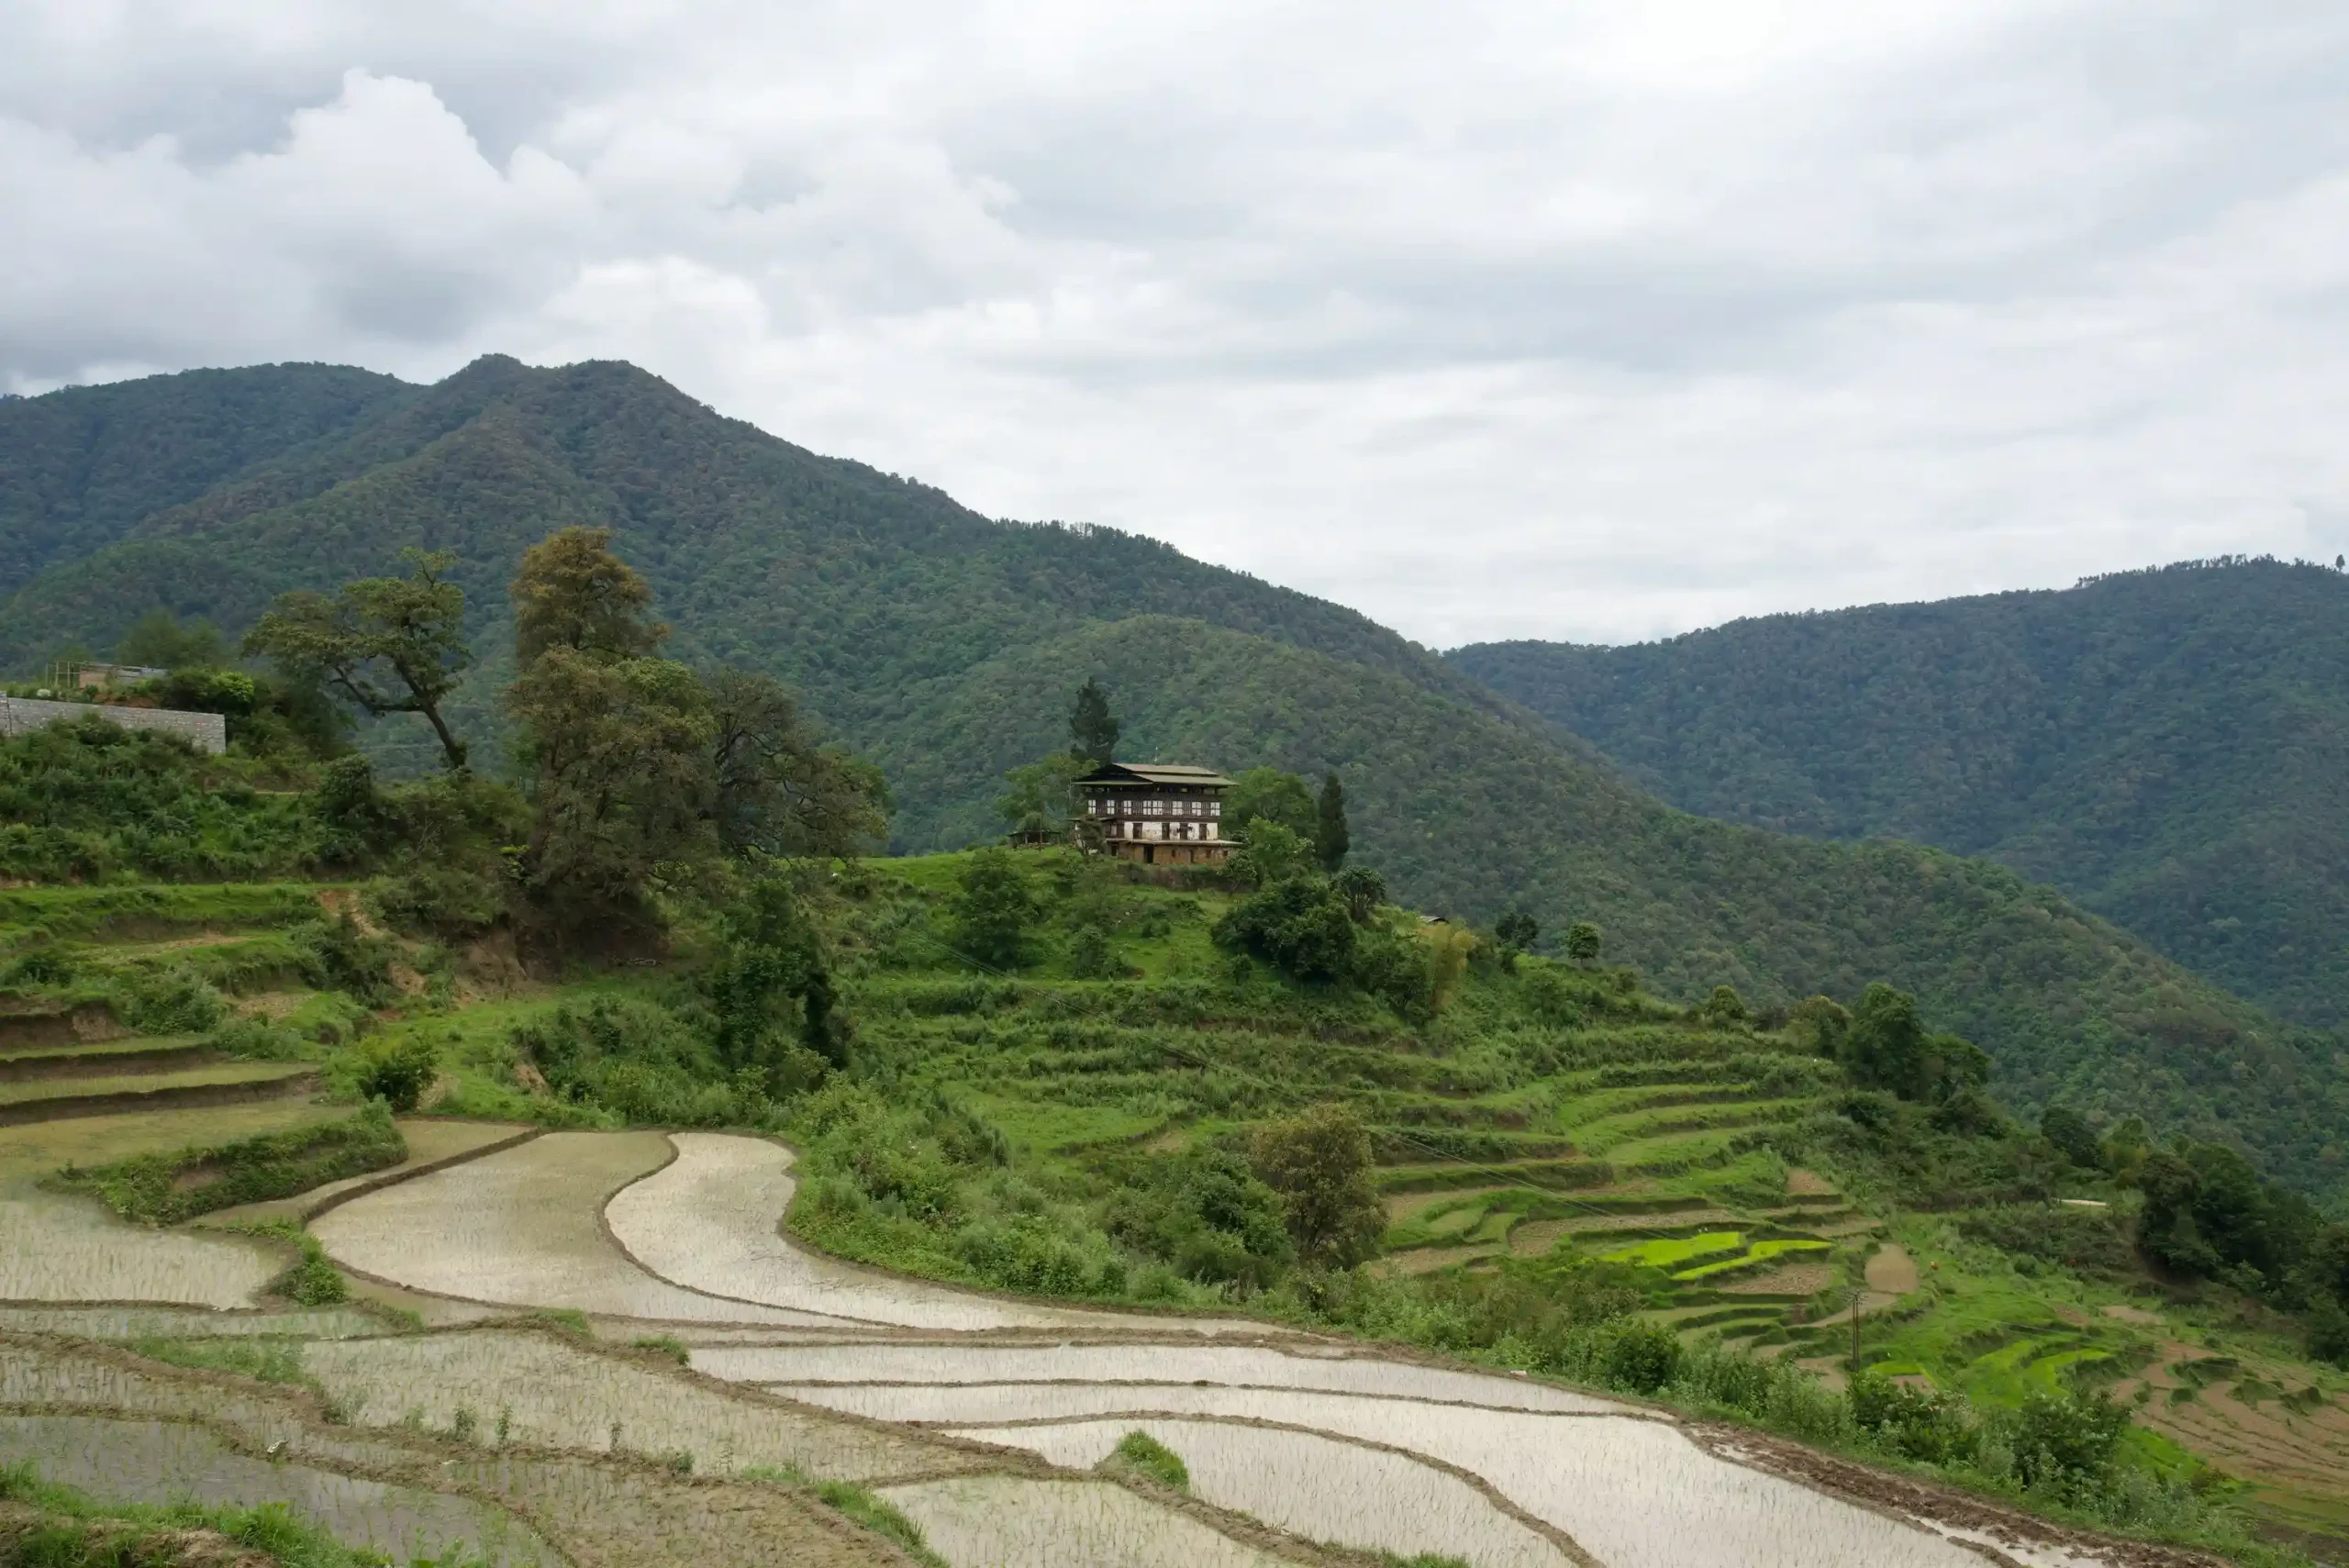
(1887, 1047)
(1320, 1164)
(1268, 794)
(777, 789)
(385, 644)
(573, 591)
(617, 743)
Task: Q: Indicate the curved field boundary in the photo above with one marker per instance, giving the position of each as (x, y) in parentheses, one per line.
(1632, 1492)
(523, 1228)
(710, 1221)
(1565, 1545)
(1993, 1531)
(1112, 1364)
(178, 1096)
(156, 1463)
(362, 1185)
(596, 1509)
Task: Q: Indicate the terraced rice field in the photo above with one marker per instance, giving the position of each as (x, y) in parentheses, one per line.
(55, 1248)
(980, 1419)
(565, 1396)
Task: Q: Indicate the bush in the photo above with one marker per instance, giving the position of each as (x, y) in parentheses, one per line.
(315, 1281)
(1145, 1455)
(1206, 1214)
(175, 1000)
(399, 1076)
(1915, 1423)
(1299, 927)
(164, 1189)
(2065, 1441)
(993, 909)
(1641, 1357)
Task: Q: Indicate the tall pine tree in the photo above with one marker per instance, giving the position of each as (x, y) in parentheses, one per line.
(1092, 728)
(1330, 834)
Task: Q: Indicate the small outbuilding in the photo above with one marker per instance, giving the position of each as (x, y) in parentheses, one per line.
(1156, 813)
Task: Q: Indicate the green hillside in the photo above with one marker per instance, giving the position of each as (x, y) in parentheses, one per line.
(944, 646)
(2170, 747)
(79, 468)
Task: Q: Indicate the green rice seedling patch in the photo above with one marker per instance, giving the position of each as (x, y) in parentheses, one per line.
(1671, 1252)
(1754, 1256)
(2054, 1374)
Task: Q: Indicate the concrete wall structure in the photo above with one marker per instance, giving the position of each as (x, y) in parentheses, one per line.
(205, 731)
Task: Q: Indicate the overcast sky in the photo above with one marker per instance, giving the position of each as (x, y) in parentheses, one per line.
(1590, 321)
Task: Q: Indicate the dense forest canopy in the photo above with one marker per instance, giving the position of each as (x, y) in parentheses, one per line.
(943, 646)
(2170, 747)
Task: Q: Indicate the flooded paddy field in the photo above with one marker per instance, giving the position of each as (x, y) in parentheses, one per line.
(997, 1521)
(955, 1406)
(535, 1386)
(54, 1247)
(1234, 1366)
(1321, 1488)
(158, 1462)
(523, 1228)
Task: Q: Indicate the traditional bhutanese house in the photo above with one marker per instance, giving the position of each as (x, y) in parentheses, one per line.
(1157, 813)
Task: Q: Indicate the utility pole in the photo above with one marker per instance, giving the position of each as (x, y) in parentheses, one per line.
(1855, 1334)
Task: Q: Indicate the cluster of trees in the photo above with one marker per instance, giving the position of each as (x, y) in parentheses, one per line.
(1883, 1043)
(634, 772)
(2206, 1212)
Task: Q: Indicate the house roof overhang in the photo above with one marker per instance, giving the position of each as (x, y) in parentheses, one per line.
(1158, 774)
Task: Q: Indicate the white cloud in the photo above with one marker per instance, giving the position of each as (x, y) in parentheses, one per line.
(1493, 320)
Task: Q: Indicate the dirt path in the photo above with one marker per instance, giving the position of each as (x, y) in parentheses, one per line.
(1892, 1271)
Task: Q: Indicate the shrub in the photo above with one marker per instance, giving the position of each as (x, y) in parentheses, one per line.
(2065, 1441)
(315, 1281)
(1205, 1214)
(398, 1076)
(1145, 1455)
(1299, 927)
(175, 1000)
(1641, 1357)
(1915, 1423)
(993, 909)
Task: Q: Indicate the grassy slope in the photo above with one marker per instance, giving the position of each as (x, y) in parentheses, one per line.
(1467, 814)
(2167, 747)
(944, 644)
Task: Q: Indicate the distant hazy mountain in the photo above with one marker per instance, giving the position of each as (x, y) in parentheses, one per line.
(946, 646)
(2170, 747)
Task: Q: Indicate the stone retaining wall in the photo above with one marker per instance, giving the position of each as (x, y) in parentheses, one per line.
(205, 731)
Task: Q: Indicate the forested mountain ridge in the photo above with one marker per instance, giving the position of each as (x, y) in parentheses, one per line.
(2170, 747)
(943, 644)
(79, 468)
(845, 580)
